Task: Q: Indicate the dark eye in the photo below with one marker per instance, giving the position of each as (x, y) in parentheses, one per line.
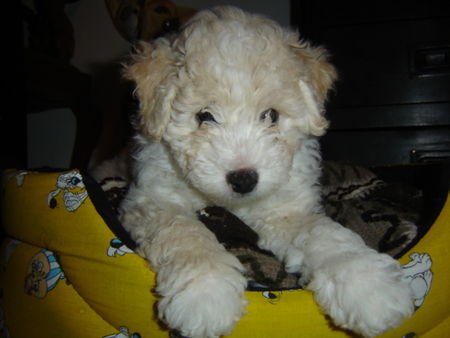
(204, 116)
(75, 180)
(270, 115)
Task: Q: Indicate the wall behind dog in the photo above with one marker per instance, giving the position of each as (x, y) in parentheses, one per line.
(97, 42)
(99, 48)
(277, 10)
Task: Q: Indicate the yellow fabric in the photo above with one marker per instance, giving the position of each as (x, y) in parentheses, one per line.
(105, 290)
(61, 312)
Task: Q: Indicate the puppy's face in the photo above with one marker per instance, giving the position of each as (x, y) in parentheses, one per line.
(233, 96)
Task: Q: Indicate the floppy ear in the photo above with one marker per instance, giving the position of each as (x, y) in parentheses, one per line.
(150, 68)
(319, 76)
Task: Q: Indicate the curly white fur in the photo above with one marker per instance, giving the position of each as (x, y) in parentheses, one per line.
(235, 66)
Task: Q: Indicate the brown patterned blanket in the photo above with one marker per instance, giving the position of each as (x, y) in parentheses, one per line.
(384, 215)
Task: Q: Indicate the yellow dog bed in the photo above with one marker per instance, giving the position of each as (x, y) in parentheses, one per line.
(65, 274)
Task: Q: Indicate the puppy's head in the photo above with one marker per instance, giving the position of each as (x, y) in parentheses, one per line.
(232, 96)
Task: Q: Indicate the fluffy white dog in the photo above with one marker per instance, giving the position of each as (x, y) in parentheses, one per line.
(230, 111)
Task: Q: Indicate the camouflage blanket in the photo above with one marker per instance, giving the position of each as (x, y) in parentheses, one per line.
(385, 215)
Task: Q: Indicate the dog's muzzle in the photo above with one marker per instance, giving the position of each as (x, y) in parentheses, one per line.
(242, 181)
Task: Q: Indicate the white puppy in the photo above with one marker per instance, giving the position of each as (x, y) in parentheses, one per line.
(230, 111)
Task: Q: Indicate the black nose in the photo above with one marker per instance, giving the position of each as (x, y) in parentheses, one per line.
(242, 181)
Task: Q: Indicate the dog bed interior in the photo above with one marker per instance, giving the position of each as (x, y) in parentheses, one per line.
(68, 267)
(391, 208)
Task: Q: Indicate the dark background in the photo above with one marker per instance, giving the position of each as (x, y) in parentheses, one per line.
(391, 104)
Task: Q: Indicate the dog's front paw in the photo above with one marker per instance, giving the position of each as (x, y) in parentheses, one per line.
(207, 306)
(365, 294)
(293, 260)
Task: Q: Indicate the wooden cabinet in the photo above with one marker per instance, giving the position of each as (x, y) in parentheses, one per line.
(392, 101)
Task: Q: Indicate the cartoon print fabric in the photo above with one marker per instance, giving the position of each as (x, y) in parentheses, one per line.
(63, 262)
(33, 276)
(38, 304)
(44, 273)
(73, 190)
(419, 275)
